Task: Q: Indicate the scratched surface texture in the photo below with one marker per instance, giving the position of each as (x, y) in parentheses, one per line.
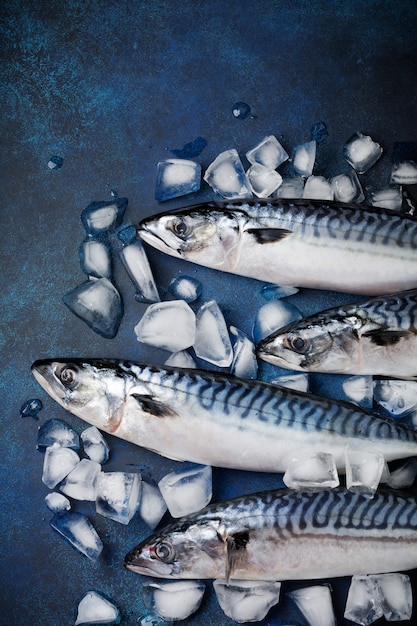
(110, 86)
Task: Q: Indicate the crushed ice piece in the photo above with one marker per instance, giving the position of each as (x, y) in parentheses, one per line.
(246, 600)
(152, 506)
(359, 389)
(191, 149)
(244, 363)
(397, 397)
(241, 110)
(297, 382)
(403, 476)
(291, 188)
(56, 502)
(319, 132)
(100, 217)
(317, 187)
(212, 341)
(303, 158)
(347, 188)
(149, 618)
(315, 603)
(93, 608)
(176, 177)
(181, 359)
(310, 473)
(95, 257)
(95, 446)
(81, 482)
(268, 153)
(388, 198)
(57, 431)
(363, 470)
(361, 152)
(31, 408)
(169, 325)
(404, 173)
(117, 495)
(185, 288)
(262, 180)
(136, 264)
(276, 292)
(362, 604)
(98, 304)
(395, 596)
(187, 489)
(58, 462)
(55, 162)
(77, 529)
(173, 600)
(226, 176)
(272, 316)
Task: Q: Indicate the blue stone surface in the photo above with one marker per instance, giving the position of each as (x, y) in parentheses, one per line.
(108, 86)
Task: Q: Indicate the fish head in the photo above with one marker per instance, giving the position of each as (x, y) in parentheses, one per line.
(92, 390)
(205, 234)
(182, 550)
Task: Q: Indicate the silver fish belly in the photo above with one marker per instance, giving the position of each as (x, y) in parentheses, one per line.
(216, 419)
(284, 535)
(375, 337)
(302, 243)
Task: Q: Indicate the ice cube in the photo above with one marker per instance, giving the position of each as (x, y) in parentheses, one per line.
(360, 390)
(246, 600)
(55, 162)
(212, 342)
(137, 266)
(173, 600)
(191, 149)
(404, 173)
(169, 325)
(152, 505)
(93, 608)
(57, 464)
(95, 257)
(361, 152)
(185, 288)
(303, 158)
(244, 362)
(95, 446)
(226, 176)
(388, 198)
(176, 177)
(56, 502)
(268, 152)
(362, 604)
(272, 316)
(31, 408)
(241, 110)
(187, 489)
(291, 188)
(276, 292)
(100, 217)
(397, 397)
(347, 188)
(363, 470)
(77, 529)
(319, 132)
(262, 180)
(80, 484)
(117, 495)
(315, 603)
(57, 431)
(181, 359)
(317, 187)
(395, 596)
(311, 473)
(403, 476)
(98, 304)
(298, 382)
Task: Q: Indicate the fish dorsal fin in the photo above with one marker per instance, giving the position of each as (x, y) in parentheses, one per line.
(269, 235)
(154, 407)
(382, 337)
(235, 551)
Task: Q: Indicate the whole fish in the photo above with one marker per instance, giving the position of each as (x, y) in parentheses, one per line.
(377, 337)
(286, 535)
(303, 243)
(216, 419)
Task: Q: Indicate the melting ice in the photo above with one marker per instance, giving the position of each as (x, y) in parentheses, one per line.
(262, 180)
(56, 502)
(58, 462)
(117, 495)
(173, 600)
(80, 483)
(291, 188)
(297, 382)
(244, 363)
(361, 152)
(31, 408)
(188, 489)
(397, 397)
(388, 198)
(137, 266)
(101, 217)
(94, 444)
(95, 257)
(169, 325)
(77, 529)
(185, 288)
(404, 173)
(246, 601)
(315, 603)
(317, 187)
(57, 431)
(152, 505)
(226, 176)
(371, 597)
(176, 177)
(93, 608)
(272, 316)
(311, 473)
(269, 153)
(181, 359)
(303, 158)
(212, 342)
(347, 188)
(363, 470)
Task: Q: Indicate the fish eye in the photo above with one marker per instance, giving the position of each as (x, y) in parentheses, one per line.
(180, 227)
(164, 551)
(297, 343)
(68, 376)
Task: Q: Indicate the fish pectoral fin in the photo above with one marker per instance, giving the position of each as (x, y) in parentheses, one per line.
(383, 337)
(154, 407)
(268, 235)
(235, 551)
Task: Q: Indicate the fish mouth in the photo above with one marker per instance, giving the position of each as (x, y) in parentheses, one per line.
(140, 563)
(153, 239)
(267, 351)
(42, 370)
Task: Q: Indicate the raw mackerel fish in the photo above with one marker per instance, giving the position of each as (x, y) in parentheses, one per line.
(216, 419)
(303, 243)
(284, 535)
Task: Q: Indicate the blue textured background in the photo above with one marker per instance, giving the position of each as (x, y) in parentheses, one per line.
(109, 86)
